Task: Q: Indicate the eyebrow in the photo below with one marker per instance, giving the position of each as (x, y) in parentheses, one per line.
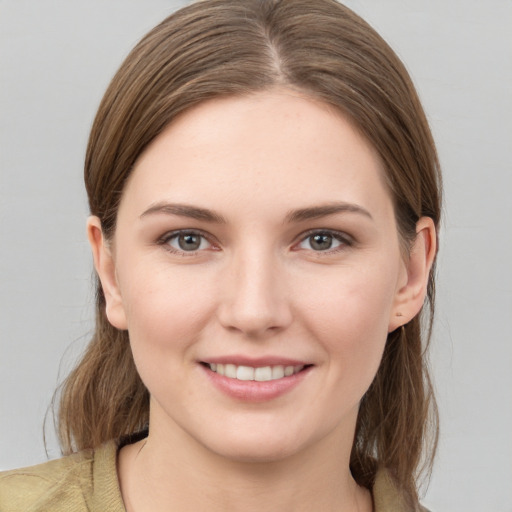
(300, 215)
(185, 210)
(316, 212)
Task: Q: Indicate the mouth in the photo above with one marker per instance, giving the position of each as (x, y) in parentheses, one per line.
(255, 380)
(255, 373)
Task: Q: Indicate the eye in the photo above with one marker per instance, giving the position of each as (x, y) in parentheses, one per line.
(186, 241)
(323, 241)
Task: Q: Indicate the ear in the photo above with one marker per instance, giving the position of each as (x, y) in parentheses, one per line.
(105, 267)
(411, 294)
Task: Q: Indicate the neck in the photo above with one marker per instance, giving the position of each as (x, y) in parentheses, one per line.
(168, 470)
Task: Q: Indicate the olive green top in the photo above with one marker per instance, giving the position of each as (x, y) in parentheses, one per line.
(87, 482)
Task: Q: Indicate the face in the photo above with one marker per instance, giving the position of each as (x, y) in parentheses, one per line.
(257, 267)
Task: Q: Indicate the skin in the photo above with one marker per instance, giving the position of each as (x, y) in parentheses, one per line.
(257, 286)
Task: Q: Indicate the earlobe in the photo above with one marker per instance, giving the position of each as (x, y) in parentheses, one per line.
(410, 297)
(104, 264)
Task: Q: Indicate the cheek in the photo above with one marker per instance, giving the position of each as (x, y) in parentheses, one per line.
(165, 314)
(354, 299)
(350, 318)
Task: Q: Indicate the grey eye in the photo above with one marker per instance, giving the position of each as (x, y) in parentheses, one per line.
(188, 242)
(320, 242)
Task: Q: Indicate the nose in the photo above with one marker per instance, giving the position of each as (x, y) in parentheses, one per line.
(254, 301)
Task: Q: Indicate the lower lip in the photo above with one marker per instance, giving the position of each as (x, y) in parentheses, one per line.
(252, 390)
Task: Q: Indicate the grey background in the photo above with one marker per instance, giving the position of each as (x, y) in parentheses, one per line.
(57, 57)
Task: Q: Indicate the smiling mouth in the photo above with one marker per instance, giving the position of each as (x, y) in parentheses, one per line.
(259, 374)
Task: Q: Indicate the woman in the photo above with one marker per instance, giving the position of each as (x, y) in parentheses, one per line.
(265, 199)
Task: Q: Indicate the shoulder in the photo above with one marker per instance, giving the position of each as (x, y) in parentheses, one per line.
(62, 481)
(387, 497)
(66, 484)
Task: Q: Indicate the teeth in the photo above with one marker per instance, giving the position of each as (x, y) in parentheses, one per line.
(260, 374)
(230, 371)
(244, 373)
(277, 372)
(263, 374)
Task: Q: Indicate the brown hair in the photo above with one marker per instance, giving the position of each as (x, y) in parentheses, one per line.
(215, 48)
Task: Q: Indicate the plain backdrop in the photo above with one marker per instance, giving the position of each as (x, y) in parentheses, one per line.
(56, 59)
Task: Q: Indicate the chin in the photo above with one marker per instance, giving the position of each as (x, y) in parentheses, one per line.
(263, 444)
(258, 451)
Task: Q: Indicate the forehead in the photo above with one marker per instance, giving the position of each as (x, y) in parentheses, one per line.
(276, 148)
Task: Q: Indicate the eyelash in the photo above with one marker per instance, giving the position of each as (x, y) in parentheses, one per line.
(344, 240)
(166, 239)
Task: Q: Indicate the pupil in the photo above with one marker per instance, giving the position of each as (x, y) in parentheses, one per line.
(321, 242)
(189, 242)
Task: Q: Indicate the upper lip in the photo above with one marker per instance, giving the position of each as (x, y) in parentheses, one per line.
(256, 362)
